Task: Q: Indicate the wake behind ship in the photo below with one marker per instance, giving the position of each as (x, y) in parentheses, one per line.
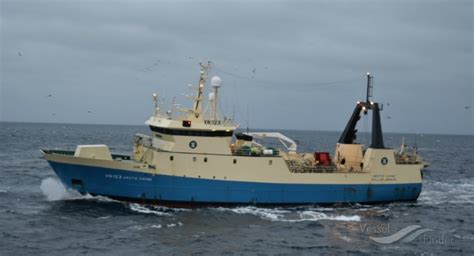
(196, 157)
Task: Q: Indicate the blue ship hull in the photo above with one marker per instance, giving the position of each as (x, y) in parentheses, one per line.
(165, 189)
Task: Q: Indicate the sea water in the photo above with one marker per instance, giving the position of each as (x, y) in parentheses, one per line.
(39, 216)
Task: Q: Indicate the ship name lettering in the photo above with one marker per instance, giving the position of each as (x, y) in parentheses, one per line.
(113, 176)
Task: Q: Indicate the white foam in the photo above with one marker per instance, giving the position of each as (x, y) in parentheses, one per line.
(95, 198)
(453, 192)
(144, 209)
(346, 238)
(275, 214)
(54, 190)
(315, 216)
(151, 226)
(168, 209)
(467, 237)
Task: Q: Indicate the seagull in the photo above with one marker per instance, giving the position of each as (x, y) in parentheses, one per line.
(253, 70)
(389, 117)
(467, 107)
(88, 111)
(49, 96)
(19, 54)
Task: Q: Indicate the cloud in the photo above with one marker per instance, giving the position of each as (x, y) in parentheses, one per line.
(100, 55)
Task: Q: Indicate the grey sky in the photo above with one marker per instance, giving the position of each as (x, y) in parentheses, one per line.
(102, 60)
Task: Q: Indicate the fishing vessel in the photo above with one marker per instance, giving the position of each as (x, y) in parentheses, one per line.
(196, 157)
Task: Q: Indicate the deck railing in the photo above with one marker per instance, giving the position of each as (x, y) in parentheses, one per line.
(406, 159)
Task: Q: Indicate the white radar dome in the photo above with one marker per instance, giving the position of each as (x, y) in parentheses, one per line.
(216, 81)
(211, 96)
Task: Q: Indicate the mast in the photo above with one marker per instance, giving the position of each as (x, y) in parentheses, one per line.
(349, 134)
(197, 108)
(155, 104)
(377, 136)
(370, 87)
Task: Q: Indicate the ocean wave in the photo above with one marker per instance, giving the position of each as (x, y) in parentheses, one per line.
(288, 215)
(95, 198)
(315, 216)
(152, 226)
(464, 237)
(147, 210)
(454, 192)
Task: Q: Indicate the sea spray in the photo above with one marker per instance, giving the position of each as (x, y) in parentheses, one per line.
(54, 190)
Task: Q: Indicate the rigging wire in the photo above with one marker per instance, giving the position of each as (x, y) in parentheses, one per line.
(263, 83)
(272, 83)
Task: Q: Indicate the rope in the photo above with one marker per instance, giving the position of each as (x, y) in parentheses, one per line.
(273, 83)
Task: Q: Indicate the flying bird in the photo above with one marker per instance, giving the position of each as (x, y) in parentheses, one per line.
(19, 54)
(467, 107)
(49, 96)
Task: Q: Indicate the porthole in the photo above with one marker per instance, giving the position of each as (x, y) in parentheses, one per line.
(205, 159)
(171, 158)
(235, 161)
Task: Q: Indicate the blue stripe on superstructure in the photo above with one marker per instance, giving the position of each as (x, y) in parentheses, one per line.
(138, 185)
